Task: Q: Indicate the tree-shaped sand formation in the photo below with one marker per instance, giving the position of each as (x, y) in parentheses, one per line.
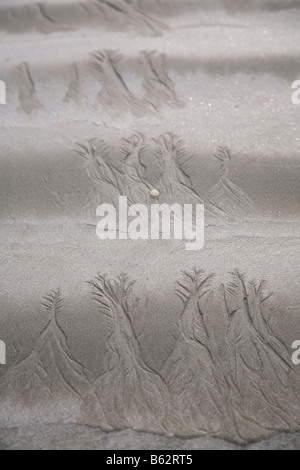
(130, 393)
(225, 194)
(48, 377)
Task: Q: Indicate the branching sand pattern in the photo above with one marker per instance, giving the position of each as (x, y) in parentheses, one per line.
(28, 101)
(141, 164)
(129, 15)
(130, 393)
(115, 99)
(226, 194)
(112, 15)
(259, 363)
(159, 88)
(74, 91)
(248, 377)
(115, 96)
(192, 373)
(48, 374)
(228, 375)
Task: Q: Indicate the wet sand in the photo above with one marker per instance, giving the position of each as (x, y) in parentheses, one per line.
(110, 98)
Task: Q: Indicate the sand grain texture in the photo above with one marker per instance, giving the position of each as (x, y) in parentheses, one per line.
(122, 344)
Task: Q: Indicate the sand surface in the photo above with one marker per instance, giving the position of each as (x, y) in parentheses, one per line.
(122, 344)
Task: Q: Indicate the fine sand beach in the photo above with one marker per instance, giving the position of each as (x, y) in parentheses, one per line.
(144, 344)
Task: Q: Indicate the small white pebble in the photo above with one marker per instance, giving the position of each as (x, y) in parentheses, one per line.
(154, 193)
